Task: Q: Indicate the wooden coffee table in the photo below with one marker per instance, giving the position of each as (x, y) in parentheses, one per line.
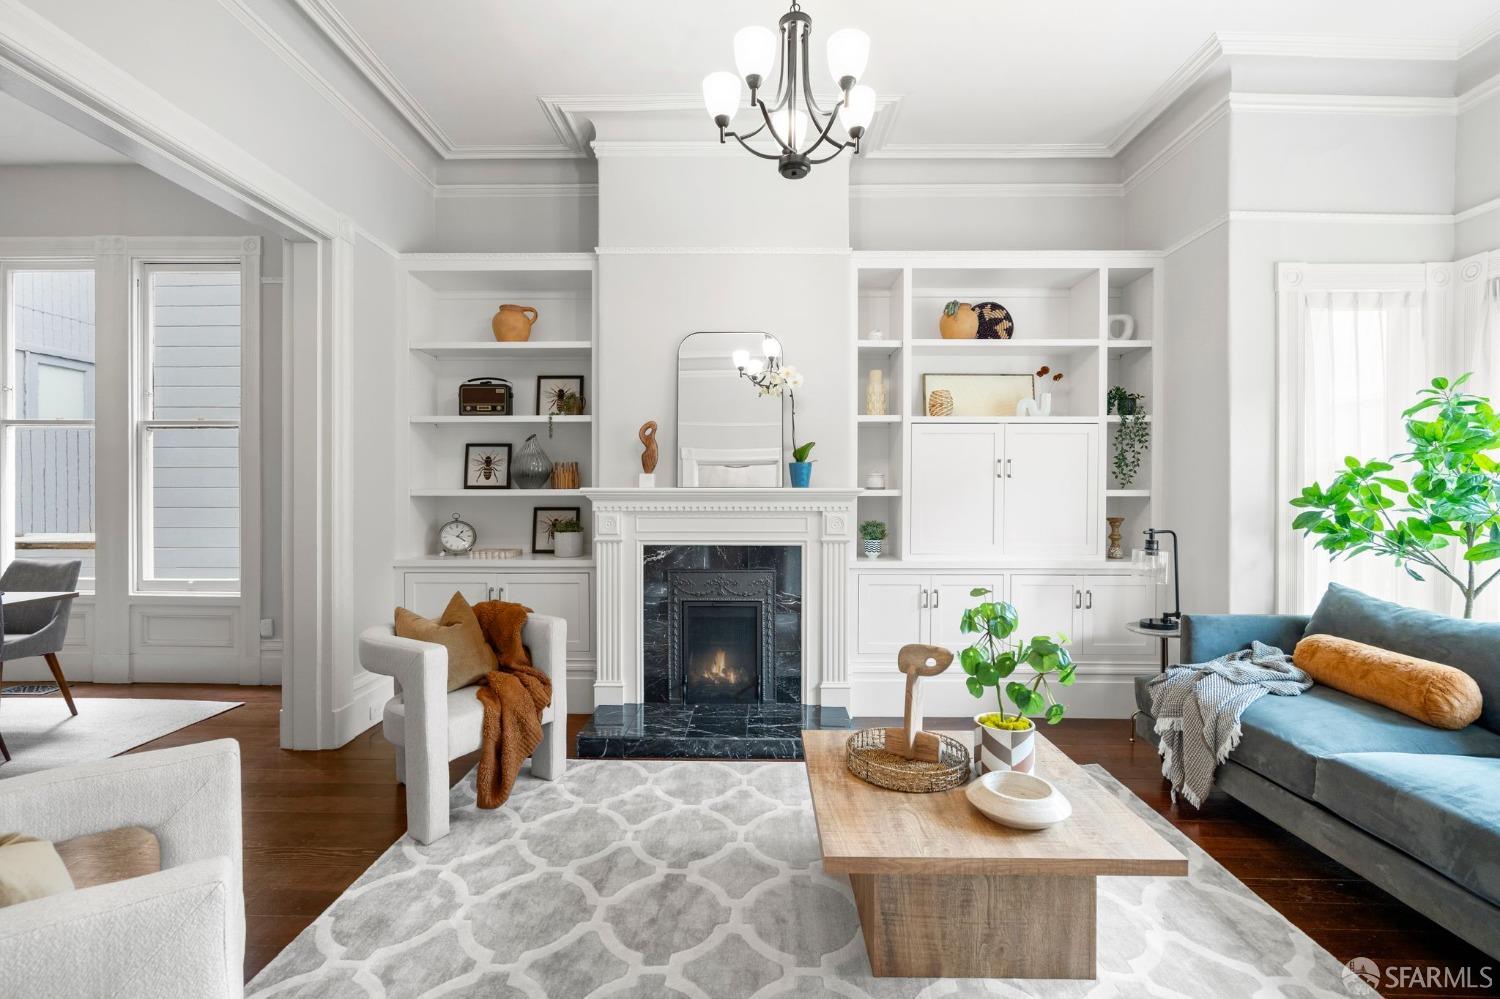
(943, 892)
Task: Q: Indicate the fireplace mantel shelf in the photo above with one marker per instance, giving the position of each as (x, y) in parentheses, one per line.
(680, 494)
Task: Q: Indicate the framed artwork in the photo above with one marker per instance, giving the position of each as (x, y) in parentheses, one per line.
(560, 395)
(979, 394)
(542, 519)
(486, 466)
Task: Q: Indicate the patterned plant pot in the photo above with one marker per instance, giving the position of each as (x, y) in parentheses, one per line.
(872, 546)
(1006, 749)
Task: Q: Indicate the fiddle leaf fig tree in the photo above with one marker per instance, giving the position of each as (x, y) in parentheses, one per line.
(1448, 494)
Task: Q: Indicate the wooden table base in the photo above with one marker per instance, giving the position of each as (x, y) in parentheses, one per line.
(977, 926)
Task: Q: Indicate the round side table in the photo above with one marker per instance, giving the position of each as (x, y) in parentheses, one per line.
(1166, 639)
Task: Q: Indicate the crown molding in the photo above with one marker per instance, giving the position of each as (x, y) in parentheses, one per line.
(1352, 218)
(1183, 79)
(1010, 190)
(698, 251)
(1475, 211)
(241, 11)
(1345, 104)
(1481, 34)
(992, 151)
(1478, 94)
(1244, 43)
(1181, 141)
(1196, 234)
(517, 191)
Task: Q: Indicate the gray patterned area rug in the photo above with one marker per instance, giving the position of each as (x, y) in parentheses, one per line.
(702, 881)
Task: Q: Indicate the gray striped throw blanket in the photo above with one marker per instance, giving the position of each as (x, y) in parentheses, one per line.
(1198, 710)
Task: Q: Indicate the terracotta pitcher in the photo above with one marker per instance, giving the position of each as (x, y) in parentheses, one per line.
(512, 324)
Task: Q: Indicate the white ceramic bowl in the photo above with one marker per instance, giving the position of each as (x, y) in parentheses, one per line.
(1021, 801)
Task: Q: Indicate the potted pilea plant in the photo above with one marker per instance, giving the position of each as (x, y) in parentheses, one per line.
(567, 538)
(1132, 436)
(1007, 738)
(872, 537)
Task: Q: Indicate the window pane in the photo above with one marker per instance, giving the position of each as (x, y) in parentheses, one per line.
(195, 344)
(54, 332)
(195, 504)
(55, 494)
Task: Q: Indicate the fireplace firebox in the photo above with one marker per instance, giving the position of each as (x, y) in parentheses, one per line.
(720, 652)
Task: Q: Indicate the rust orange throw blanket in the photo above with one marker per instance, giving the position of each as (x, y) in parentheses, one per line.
(513, 697)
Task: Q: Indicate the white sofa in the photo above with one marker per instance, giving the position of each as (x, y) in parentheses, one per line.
(177, 932)
(429, 726)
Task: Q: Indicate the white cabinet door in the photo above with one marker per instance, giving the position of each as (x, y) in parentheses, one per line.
(1109, 603)
(891, 612)
(427, 593)
(950, 595)
(1047, 604)
(557, 594)
(1052, 490)
(955, 490)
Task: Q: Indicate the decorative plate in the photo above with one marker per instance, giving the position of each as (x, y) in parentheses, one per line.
(995, 322)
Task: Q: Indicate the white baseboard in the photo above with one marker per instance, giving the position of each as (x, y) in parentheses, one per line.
(271, 655)
(883, 693)
(371, 691)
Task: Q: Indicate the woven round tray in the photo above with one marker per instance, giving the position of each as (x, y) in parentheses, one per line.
(869, 761)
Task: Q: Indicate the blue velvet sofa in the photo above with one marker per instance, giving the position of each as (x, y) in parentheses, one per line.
(1412, 808)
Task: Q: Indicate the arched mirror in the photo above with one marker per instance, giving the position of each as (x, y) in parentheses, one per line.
(728, 432)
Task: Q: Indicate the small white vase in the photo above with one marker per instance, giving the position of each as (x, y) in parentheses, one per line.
(1005, 748)
(569, 545)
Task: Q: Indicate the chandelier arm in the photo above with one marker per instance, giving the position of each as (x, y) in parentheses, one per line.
(771, 127)
(807, 90)
(823, 136)
(839, 148)
(749, 148)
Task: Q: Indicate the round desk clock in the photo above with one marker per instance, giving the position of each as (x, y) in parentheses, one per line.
(456, 537)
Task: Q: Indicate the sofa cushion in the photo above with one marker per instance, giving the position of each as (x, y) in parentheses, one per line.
(1284, 737)
(1472, 646)
(1439, 809)
(1432, 693)
(30, 868)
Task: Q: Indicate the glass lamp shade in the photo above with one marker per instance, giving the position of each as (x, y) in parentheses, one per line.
(1155, 566)
(859, 109)
(721, 94)
(793, 127)
(848, 51)
(770, 348)
(754, 366)
(755, 53)
(741, 359)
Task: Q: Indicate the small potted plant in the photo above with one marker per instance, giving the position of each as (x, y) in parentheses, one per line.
(872, 537)
(1121, 402)
(567, 538)
(800, 467)
(1131, 438)
(1006, 738)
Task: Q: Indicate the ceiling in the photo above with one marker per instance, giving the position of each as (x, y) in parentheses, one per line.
(1003, 73)
(29, 137)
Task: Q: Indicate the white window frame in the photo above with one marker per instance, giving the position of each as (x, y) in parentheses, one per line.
(1294, 282)
(142, 423)
(9, 422)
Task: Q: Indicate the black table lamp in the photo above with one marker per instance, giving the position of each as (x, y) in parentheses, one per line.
(1155, 563)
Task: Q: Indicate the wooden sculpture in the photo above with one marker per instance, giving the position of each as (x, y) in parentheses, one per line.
(648, 441)
(917, 661)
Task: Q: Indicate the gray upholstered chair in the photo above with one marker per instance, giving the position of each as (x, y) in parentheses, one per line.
(38, 629)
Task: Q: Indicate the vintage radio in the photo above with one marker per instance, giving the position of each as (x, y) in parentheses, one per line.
(485, 397)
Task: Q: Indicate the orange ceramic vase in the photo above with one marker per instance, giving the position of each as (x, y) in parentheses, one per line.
(512, 324)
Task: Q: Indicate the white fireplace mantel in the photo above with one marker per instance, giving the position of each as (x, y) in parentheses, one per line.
(820, 521)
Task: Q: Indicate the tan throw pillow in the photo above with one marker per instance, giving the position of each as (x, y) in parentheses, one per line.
(1433, 693)
(30, 868)
(469, 655)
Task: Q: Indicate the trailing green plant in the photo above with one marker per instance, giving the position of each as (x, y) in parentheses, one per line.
(1132, 438)
(991, 660)
(1450, 496)
(872, 530)
(1119, 400)
(801, 452)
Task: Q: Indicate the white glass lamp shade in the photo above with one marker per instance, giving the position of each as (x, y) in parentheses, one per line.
(1155, 566)
(741, 359)
(754, 366)
(721, 94)
(770, 348)
(793, 127)
(755, 53)
(859, 110)
(848, 51)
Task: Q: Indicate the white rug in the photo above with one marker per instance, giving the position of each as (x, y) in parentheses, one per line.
(41, 734)
(702, 880)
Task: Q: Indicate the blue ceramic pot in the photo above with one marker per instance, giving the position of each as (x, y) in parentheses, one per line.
(801, 472)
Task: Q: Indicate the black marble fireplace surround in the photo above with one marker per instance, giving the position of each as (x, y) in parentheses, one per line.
(742, 593)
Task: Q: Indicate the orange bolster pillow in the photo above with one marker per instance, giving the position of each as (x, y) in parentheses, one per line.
(1433, 693)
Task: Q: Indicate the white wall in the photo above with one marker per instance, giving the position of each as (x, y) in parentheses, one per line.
(665, 224)
(1477, 188)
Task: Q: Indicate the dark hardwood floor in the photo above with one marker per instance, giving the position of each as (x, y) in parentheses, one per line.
(315, 821)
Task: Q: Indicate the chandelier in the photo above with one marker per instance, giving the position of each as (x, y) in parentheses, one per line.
(795, 122)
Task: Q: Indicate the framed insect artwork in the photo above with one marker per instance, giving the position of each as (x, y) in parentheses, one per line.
(486, 466)
(543, 537)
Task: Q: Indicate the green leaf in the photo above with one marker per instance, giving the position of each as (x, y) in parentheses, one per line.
(1483, 553)
(1440, 383)
(1351, 462)
(1054, 714)
(801, 453)
(1307, 519)
(975, 687)
(979, 591)
(1379, 466)
(1005, 664)
(970, 659)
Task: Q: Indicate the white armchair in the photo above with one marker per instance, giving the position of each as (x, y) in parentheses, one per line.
(429, 726)
(177, 932)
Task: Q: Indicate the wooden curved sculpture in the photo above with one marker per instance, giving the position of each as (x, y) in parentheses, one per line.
(917, 661)
(647, 435)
